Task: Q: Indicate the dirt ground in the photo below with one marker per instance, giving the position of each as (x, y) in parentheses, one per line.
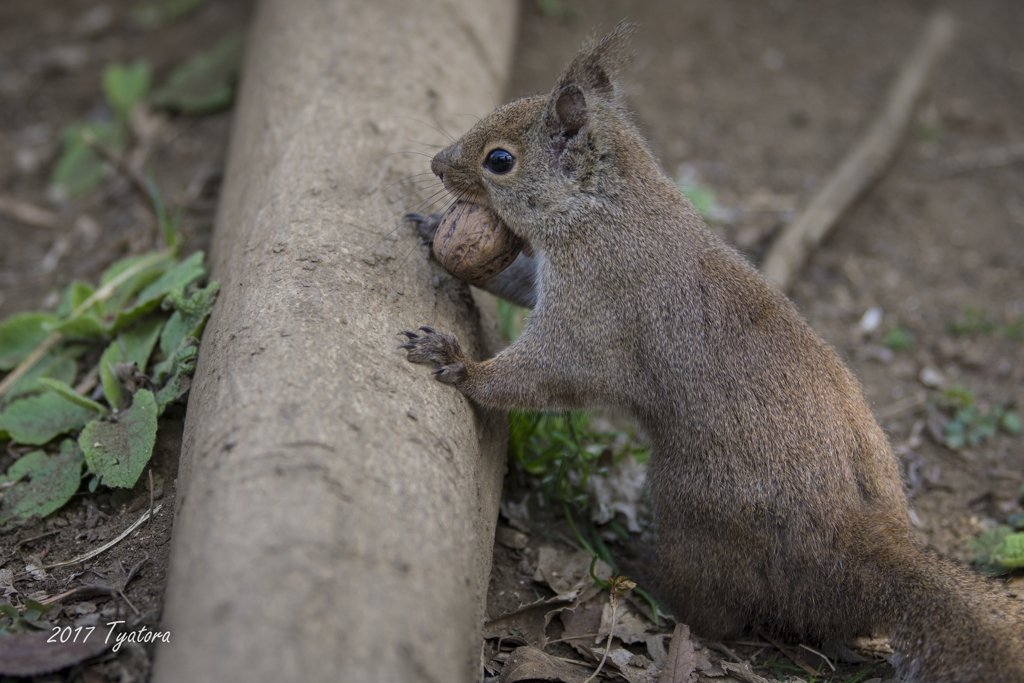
(757, 101)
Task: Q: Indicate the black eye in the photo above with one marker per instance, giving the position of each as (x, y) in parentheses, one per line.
(499, 161)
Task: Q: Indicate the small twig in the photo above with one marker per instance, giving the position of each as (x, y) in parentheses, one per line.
(827, 660)
(29, 214)
(619, 585)
(139, 183)
(566, 640)
(36, 538)
(608, 645)
(149, 523)
(724, 650)
(793, 655)
(97, 551)
(865, 163)
(740, 672)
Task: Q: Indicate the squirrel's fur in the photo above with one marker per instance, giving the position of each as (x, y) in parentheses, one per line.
(777, 500)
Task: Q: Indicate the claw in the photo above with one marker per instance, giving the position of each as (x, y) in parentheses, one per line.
(438, 371)
(428, 330)
(410, 335)
(407, 346)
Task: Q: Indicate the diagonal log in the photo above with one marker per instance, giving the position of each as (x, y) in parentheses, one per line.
(336, 505)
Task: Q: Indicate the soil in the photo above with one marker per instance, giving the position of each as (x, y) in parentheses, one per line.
(756, 101)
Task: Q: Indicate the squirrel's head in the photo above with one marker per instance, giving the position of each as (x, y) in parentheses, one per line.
(545, 163)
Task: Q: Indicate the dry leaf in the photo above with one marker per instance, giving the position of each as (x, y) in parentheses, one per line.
(742, 672)
(530, 664)
(628, 627)
(568, 574)
(29, 654)
(529, 621)
(683, 660)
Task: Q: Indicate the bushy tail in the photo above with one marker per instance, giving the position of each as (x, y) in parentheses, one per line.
(949, 624)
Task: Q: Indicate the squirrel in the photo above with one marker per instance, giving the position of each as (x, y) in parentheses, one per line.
(776, 499)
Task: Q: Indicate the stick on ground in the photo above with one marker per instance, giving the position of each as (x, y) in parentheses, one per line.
(866, 162)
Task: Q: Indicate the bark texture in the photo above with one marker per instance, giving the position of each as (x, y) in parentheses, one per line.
(336, 505)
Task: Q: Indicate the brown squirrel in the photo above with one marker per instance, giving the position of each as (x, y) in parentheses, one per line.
(777, 500)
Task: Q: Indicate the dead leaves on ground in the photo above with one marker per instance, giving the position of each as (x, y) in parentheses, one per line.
(583, 610)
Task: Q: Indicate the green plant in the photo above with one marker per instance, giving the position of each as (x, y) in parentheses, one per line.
(899, 339)
(203, 84)
(142, 323)
(970, 425)
(974, 322)
(999, 549)
(14, 621)
(702, 198)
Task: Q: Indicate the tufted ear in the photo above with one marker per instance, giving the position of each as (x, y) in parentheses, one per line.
(593, 68)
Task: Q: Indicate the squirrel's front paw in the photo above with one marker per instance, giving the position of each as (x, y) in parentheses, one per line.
(438, 348)
(426, 225)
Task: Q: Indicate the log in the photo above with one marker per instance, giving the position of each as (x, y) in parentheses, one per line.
(336, 505)
(866, 162)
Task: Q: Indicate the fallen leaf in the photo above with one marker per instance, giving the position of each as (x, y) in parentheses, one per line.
(530, 664)
(628, 627)
(683, 660)
(567, 573)
(530, 621)
(30, 654)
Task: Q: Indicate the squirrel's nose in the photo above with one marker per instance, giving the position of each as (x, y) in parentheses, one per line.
(442, 160)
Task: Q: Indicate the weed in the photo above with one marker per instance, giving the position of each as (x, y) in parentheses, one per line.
(143, 323)
(899, 339)
(970, 425)
(974, 322)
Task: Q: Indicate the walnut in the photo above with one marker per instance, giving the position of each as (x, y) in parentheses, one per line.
(473, 244)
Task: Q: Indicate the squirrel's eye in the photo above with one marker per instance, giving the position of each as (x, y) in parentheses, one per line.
(499, 161)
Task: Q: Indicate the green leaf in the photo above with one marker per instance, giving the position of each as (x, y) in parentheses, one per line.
(38, 419)
(1009, 554)
(59, 365)
(986, 545)
(134, 284)
(79, 170)
(899, 339)
(205, 83)
(183, 364)
(180, 276)
(702, 198)
(139, 341)
(118, 451)
(113, 355)
(132, 346)
(48, 482)
(189, 316)
(85, 326)
(155, 14)
(126, 86)
(20, 334)
(1010, 422)
(74, 296)
(68, 394)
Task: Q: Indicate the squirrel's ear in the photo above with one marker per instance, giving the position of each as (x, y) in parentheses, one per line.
(594, 67)
(567, 113)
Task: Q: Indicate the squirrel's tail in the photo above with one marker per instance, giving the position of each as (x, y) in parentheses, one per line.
(948, 624)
